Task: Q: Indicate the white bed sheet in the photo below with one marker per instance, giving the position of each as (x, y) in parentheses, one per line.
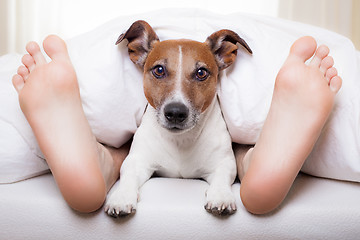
(113, 99)
(173, 209)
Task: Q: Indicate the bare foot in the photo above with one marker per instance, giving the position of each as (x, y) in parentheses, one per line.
(50, 100)
(302, 101)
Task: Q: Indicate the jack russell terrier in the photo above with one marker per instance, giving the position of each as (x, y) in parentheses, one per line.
(182, 133)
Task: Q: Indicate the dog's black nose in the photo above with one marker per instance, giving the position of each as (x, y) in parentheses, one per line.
(176, 112)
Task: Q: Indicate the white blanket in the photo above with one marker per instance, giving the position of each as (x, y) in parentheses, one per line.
(113, 100)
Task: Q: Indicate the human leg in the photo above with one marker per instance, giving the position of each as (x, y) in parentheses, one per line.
(50, 100)
(302, 101)
(241, 153)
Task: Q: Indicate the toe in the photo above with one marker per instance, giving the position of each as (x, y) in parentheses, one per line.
(330, 73)
(302, 49)
(23, 72)
(326, 64)
(55, 48)
(18, 82)
(320, 54)
(34, 50)
(333, 79)
(28, 61)
(335, 83)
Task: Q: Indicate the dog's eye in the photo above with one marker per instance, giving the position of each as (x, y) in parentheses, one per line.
(158, 71)
(202, 74)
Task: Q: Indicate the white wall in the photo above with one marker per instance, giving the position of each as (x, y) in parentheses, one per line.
(341, 16)
(26, 20)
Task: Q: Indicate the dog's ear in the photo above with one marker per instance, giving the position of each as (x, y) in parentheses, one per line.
(223, 44)
(141, 38)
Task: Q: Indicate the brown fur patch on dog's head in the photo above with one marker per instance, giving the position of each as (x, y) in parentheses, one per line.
(181, 71)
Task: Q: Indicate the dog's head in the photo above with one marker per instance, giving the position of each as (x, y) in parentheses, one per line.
(180, 76)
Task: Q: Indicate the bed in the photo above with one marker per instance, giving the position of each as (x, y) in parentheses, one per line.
(173, 209)
(322, 204)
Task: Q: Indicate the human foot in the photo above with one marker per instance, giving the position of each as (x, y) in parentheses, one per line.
(302, 101)
(50, 100)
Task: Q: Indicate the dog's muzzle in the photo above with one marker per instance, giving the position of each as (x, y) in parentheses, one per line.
(176, 115)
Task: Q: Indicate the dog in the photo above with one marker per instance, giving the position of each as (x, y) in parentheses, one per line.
(182, 133)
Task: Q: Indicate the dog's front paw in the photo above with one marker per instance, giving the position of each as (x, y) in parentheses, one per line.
(121, 204)
(220, 202)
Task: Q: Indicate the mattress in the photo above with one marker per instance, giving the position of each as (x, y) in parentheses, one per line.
(173, 209)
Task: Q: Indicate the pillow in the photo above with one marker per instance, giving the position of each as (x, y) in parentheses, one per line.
(19, 153)
(113, 99)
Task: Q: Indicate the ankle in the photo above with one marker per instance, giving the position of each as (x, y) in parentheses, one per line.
(111, 160)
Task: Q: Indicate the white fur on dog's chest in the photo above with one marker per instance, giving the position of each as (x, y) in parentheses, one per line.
(192, 154)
